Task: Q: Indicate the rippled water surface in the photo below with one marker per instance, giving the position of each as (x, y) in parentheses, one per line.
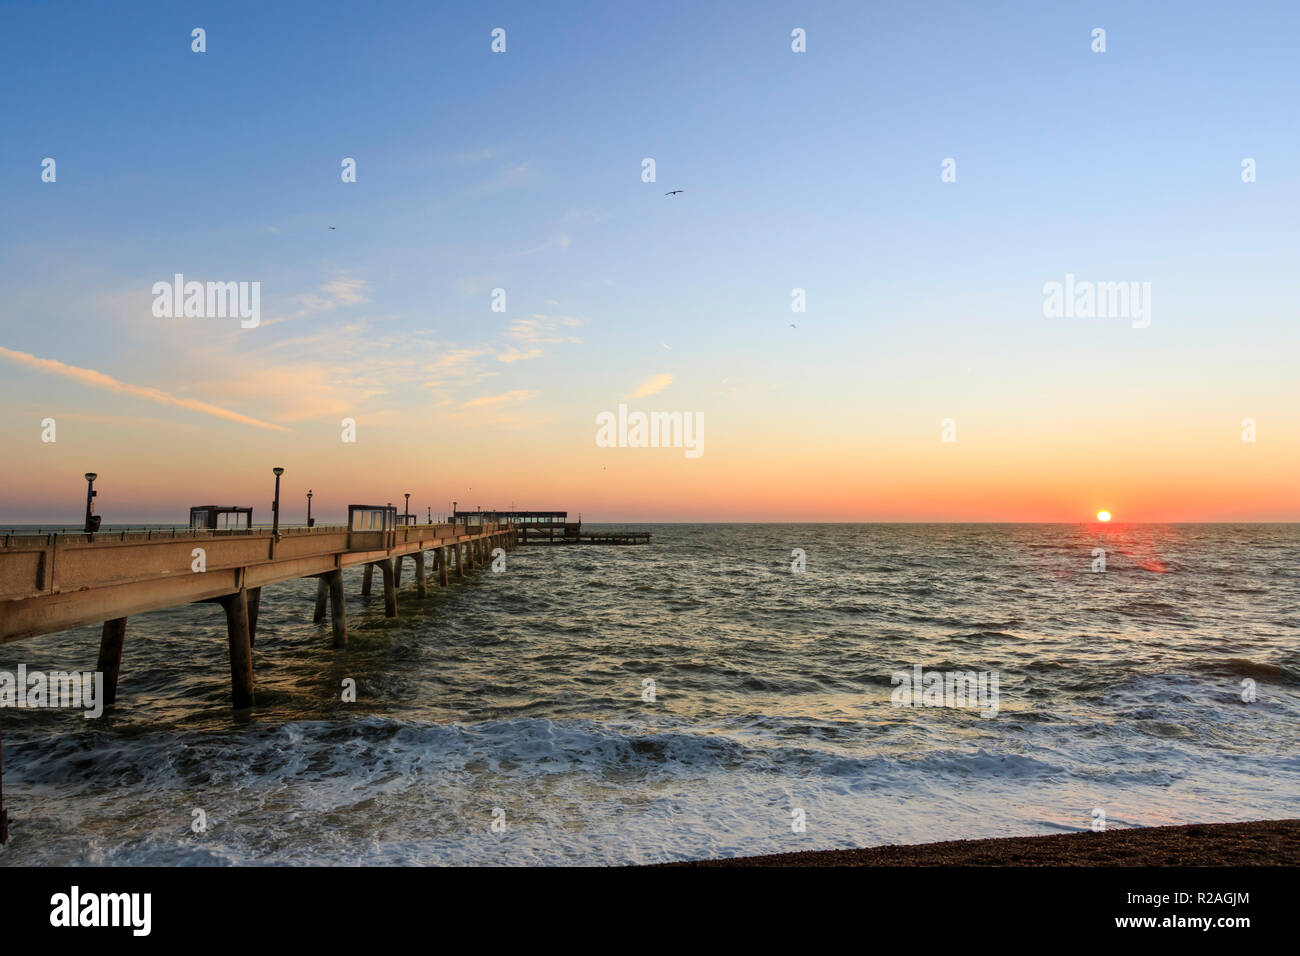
(523, 691)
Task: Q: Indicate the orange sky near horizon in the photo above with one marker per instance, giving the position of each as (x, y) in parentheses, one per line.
(153, 469)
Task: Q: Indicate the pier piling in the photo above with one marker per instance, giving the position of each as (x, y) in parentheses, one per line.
(241, 649)
(366, 578)
(339, 619)
(421, 580)
(111, 640)
(254, 602)
(442, 567)
(322, 594)
(390, 588)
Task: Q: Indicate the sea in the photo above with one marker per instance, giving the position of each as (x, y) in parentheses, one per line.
(725, 690)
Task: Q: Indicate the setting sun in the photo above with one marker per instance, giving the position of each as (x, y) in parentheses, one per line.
(1103, 515)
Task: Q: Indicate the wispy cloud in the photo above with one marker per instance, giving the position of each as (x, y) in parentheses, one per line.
(90, 377)
(653, 385)
(336, 293)
(517, 395)
(345, 291)
(533, 333)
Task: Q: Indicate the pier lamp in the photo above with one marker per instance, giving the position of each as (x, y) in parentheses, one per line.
(275, 505)
(310, 520)
(407, 513)
(92, 519)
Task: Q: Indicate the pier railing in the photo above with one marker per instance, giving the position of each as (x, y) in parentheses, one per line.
(38, 538)
(56, 581)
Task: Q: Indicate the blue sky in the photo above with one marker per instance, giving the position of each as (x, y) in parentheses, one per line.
(522, 171)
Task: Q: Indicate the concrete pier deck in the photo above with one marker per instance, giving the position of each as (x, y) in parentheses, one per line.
(54, 582)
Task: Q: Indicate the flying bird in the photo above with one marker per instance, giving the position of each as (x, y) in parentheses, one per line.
(331, 227)
(674, 192)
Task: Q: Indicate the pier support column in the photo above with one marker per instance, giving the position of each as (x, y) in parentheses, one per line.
(340, 621)
(241, 649)
(366, 579)
(390, 588)
(421, 580)
(322, 593)
(110, 656)
(460, 560)
(397, 571)
(254, 602)
(443, 574)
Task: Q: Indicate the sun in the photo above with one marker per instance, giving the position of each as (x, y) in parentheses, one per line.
(1103, 515)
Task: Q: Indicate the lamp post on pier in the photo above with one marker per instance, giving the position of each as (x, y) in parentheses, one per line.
(406, 513)
(310, 520)
(275, 505)
(92, 519)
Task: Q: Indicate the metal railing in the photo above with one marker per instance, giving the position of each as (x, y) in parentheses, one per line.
(19, 536)
(22, 537)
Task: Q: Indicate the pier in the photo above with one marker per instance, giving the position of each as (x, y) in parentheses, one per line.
(553, 527)
(62, 580)
(54, 582)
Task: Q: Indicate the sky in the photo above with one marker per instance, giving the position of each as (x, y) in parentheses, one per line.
(923, 380)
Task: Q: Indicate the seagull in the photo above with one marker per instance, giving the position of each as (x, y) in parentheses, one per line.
(331, 227)
(793, 326)
(674, 192)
